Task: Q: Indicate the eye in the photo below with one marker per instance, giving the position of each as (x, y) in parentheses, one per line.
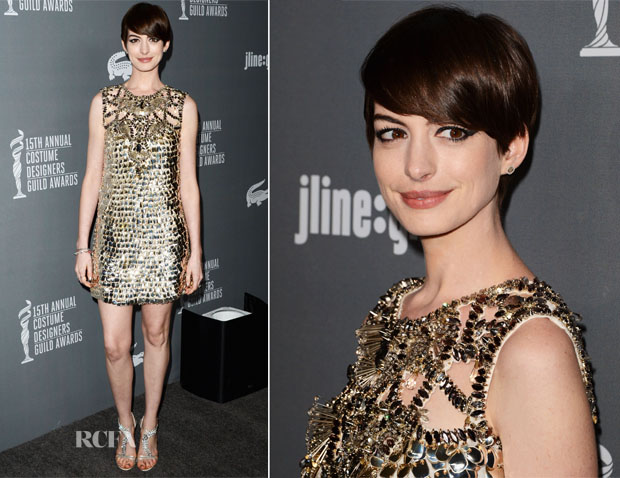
(454, 133)
(133, 40)
(386, 135)
(154, 40)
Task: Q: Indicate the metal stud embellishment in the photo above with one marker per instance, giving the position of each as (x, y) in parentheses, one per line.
(140, 242)
(370, 430)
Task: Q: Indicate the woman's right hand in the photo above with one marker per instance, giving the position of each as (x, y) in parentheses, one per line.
(84, 268)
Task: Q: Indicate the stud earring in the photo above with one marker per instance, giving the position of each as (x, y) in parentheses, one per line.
(510, 170)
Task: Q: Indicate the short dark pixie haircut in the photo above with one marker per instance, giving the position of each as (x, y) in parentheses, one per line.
(146, 19)
(451, 67)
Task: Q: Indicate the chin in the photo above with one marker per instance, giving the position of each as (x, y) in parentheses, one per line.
(141, 67)
(428, 226)
(440, 220)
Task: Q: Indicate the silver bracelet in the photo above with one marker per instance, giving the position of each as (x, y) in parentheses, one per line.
(80, 251)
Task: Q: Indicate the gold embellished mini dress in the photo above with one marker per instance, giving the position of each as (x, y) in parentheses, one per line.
(140, 242)
(371, 430)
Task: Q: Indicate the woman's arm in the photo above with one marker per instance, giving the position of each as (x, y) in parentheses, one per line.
(90, 188)
(190, 194)
(538, 406)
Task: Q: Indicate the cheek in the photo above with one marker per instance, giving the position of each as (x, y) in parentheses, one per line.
(388, 174)
(383, 171)
(480, 168)
(485, 175)
(493, 167)
(387, 165)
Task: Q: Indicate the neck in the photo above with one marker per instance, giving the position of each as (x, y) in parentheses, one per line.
(144, 81)
(473, 257)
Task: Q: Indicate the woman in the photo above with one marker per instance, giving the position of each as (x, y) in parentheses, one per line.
(141, 178)
(496, 382)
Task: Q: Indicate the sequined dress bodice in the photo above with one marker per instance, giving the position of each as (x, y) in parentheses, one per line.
(141, 244)
(371, 430)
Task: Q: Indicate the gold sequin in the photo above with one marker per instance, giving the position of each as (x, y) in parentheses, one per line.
(141, 245)
(368, 430)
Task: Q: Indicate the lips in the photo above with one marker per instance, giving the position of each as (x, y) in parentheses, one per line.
(424, 199)
(145, 60)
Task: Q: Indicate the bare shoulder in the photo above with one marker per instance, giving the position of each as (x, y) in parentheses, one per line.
(538, 362)
(538, 404)
(97, 101)
(96, 119)
(538, 345)
(190, 116)
(189, 106)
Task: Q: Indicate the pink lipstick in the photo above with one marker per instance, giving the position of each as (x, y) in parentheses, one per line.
(145, 60)
(424, 199)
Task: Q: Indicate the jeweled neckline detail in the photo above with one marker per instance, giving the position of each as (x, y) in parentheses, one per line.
(143, 96)
(488, 291)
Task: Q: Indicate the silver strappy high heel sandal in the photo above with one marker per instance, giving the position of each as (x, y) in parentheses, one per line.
(127, 437)
(146, 434)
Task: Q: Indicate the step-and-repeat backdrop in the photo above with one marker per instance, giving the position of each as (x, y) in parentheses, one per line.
(55, 55)
(337, 248)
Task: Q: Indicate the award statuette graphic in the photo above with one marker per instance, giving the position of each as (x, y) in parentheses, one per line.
(10, 11)
(137, 359)
(183, 16)
(17, 145)
(601, 45)
(605, 461)
(24, 317)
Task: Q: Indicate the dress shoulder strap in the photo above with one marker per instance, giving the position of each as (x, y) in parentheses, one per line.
(174, 107)
(389, 302)
(110, 95)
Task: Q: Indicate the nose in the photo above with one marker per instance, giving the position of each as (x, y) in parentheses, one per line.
(144, 47)
(420, 163)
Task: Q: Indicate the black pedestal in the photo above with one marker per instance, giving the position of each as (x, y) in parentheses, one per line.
(220, 360)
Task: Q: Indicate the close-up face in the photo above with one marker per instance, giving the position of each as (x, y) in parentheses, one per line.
(143, 51)
(434, 177)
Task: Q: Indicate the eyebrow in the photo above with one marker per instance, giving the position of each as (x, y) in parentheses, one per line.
(388, 118)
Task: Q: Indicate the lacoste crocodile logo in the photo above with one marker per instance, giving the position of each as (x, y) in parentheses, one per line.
(255, 195)
(121, 68)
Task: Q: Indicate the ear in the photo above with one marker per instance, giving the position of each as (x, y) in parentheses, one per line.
(514, 156)
(123, 45)
(166, 46)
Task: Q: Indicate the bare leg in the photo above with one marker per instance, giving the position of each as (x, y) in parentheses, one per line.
(116, 321)
(156, 330)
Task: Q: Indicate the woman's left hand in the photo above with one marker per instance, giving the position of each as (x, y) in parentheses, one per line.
(193, 274)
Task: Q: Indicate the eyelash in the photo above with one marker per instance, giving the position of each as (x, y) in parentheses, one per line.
(134, 40)
(379, 134)
(466, 133)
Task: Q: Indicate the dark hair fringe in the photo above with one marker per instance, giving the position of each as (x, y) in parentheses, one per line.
(146, 19)
(451, 67)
